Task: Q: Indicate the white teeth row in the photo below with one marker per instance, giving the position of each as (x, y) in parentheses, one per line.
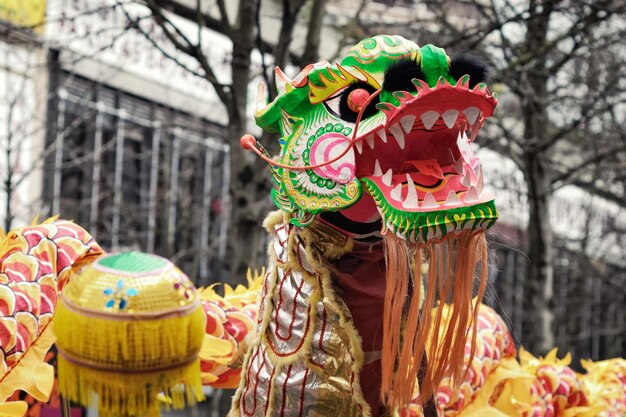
(428, 118)
(371, 140)
(449, 117)
(473, 178)
(411, 201)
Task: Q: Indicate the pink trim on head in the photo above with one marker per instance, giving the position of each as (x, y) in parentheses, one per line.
(326, 145)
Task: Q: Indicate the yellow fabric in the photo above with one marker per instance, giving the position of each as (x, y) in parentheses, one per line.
(130, 393)
(516, 392)
(13, 409)
(129, 344)
(230, 320)
(37, 261)
(604, 384)
(31, 374)
(238, 297)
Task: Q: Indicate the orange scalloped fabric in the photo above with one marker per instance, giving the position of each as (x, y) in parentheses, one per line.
(35, 263)
(499, 385)
(229, 320)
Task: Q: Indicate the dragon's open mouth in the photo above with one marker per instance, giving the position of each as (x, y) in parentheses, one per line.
(420, 160)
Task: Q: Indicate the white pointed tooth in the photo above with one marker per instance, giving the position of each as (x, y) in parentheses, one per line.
(400, 140)
(383, 135)
(466, 180)
(429, 201)
(462, 137)
(411, 200)
(377, 171)
(458, 165)
(452, 199)
(473, 130)
(429, 118)
(387, 178)
(449, 117)
(370, 141)
(396, 193)
(472, 174)
(481, 181)
(407, 122)
(398, 134)
(471, 196)
(471, 114)
(359, 146)
(401, 235)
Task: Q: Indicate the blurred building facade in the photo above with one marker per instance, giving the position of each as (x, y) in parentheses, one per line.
(103, 129)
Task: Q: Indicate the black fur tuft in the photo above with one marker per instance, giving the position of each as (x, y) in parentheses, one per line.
(479, 70)
(399, 75)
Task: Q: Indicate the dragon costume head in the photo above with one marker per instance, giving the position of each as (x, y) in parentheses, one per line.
(410, 152)
(378, 145)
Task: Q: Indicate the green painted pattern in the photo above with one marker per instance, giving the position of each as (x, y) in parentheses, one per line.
(416, 225)
(376, 54)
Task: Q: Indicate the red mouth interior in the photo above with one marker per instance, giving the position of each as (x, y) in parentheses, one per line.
(421, 147)
(425, 145)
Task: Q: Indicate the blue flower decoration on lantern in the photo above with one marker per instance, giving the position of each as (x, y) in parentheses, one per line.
(118, 294)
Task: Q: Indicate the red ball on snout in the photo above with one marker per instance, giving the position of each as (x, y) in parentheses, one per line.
(357, 99)
(247, 142)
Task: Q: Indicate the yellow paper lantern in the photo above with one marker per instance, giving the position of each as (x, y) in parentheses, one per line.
(129, 329)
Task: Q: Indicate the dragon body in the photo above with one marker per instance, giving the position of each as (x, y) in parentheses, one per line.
(497, 384)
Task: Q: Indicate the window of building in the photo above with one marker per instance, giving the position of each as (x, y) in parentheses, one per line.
(138, 175)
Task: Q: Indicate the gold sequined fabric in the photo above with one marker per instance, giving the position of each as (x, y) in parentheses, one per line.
(306, 358)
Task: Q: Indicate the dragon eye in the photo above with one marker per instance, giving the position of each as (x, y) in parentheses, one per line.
(347, 103)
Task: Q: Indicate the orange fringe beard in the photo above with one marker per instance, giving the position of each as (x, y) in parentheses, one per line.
(452, 268)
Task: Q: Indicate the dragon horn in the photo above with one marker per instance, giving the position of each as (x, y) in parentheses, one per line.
(261, 98)
(281, 80)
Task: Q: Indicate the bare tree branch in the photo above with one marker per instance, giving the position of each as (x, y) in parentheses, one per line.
(222, 26)
(567, 176)
(223, 13)
(183, 44)
(599, 191)
(584, 24)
